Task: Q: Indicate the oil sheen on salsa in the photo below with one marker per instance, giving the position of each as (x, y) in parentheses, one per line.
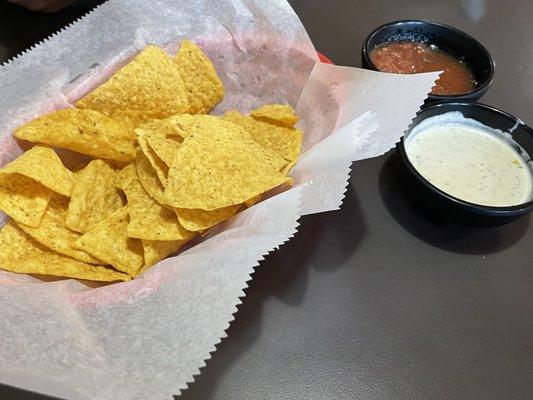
(415, 57)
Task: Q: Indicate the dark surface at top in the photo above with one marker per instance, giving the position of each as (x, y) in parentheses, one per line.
(374, 301)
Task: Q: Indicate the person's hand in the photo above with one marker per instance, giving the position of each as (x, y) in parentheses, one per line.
(47, 6)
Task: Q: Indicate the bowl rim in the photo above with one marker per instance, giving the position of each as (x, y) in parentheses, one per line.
(480, 208)
(480, 88)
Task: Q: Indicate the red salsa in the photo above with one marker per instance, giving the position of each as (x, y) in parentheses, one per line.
(415, 57)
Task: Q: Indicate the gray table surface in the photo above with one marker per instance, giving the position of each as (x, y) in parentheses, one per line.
(374, 301)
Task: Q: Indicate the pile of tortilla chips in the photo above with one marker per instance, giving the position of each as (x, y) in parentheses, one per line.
(162, 170)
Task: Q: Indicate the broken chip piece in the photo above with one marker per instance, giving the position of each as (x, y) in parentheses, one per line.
(277, 114)
(21, 254)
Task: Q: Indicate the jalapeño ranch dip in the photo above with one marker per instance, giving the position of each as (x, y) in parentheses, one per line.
(471, 161)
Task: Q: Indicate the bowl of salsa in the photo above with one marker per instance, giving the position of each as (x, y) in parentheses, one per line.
(415, 46)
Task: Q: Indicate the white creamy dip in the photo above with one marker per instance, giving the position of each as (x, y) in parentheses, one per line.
(471, 161)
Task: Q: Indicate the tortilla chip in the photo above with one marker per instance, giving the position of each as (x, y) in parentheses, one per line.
(220, 165)
(43, 165)
(164, 148)
(155, 251)
(197, 220)
(83, 131)
(283, 141)
(108, 241)
(160, 168)
(148, 178)
(94, 197)
(21, 254)
(277, 114)
(253, 200)
(166, 128)
(287, 168)
(149, 220)
(187, 124)
(53, 233)
(203, 84)
(176, 127)
(23, 199)
(159, 140)
(149, 87)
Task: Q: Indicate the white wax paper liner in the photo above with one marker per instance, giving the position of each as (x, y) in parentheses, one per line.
(148, 338)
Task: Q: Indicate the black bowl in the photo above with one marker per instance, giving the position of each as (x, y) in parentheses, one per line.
(446, 208)
(452, 40)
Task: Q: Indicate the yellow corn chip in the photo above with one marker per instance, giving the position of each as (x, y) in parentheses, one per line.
(219, 165)
(83, 131)
(164, 148)
(155, 251)
(94, 197)
(23, 199)
(186, 124)
(148, 178)
(283, 141)
(277, 114)
(160, 168)
(53, 233)
(42, 164)
(198, 220)
(253, 200)
(149, 220)
(287, 168)
(21, 254)
(157, 147)
(149, 87)
(176, 127)
(108, 241)
(203, 84)
(166, 128)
